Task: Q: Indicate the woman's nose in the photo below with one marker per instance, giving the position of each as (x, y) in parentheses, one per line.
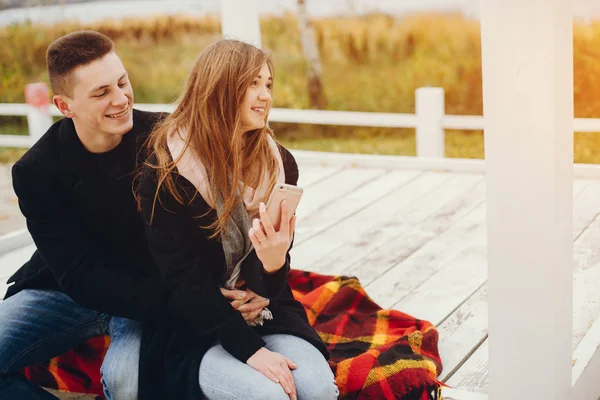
(264, 94)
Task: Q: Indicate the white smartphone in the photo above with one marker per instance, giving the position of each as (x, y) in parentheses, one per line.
(283, 191)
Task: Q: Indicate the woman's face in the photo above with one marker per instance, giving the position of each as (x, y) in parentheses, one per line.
(257, 101)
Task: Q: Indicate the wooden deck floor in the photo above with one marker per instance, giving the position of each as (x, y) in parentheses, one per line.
(416, 239)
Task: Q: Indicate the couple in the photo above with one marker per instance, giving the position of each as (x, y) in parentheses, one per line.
(152, 228)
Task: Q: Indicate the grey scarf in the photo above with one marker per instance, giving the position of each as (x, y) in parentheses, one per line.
(237, 246)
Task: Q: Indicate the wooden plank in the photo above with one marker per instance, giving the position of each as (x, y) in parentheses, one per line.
(466, 328)
(586, 366)
(461, 272)
(586, 299)
(473, 377)
(419, 224)
(586, 206)
(455, 394)
(586, 296)
(14, 240)
(327, 250)
(586, 351)
(330, 214)
(415, 273)
(12, 261)
(311, 174)
(463, 331)
(11, 218)
(403, 285)
(335, 186)
(71, 396)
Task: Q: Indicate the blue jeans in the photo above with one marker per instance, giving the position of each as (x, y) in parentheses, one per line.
(120, 367)
(223, 377)
(37, 325)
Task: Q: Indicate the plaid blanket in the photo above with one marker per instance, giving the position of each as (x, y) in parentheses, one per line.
(375, 353)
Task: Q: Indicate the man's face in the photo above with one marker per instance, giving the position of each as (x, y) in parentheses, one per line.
(102, 98)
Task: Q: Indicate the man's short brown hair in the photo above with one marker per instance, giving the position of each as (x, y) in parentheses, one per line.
(73, 50)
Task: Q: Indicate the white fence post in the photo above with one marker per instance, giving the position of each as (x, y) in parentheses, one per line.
(39, 120)
(240, 20)
(38, 112)
(429, 107)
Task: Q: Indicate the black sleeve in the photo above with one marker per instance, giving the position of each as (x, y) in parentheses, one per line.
(262, 283)
(196, 297)
(78, 266)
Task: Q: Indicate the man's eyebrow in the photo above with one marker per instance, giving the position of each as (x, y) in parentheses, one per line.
(105, 86)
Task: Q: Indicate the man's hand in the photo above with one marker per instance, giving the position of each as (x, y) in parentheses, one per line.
(246, 301)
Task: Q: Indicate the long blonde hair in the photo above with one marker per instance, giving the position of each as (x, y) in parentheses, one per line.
(209, 110)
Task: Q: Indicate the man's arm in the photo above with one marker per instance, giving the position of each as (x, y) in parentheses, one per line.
(78, 265)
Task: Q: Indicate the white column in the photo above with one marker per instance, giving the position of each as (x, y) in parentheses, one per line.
(527, 60)
(429, 107)
(240, 20)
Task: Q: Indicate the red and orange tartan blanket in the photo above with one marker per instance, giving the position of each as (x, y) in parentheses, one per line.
(375, 353)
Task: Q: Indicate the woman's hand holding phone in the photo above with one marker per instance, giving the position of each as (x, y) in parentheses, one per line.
(272, 243)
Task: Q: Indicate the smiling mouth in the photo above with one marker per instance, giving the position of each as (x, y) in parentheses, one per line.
(119, 115)
(260, 110)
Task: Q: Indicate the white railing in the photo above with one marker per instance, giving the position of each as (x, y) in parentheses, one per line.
(429, 120)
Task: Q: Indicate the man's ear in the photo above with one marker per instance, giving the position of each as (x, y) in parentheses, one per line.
(62, 103)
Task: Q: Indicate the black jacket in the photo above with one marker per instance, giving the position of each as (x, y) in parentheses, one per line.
(193, 266)
(90, 243)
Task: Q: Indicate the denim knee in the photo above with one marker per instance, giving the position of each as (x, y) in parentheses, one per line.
(270, 392)
(315, 382)
(120, 367)
(120, 387)
(318, 390)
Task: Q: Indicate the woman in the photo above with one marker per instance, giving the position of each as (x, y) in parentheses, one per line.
(211, 167)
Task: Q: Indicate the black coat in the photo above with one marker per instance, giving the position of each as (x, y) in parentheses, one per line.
(90, 240)
(193, 266)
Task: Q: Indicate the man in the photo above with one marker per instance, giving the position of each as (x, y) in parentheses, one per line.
(75, 190)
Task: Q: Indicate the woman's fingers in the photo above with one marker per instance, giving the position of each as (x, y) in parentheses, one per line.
(284, 227)
(267, 372)
(284, 380)
(258, 230)
(288, 377)
(266, 220)
(292, 227)
(290, 363)
(253, 238)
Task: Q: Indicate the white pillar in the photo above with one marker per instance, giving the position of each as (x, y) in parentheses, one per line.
(429, 107)
(527, 60)
(240, 20)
